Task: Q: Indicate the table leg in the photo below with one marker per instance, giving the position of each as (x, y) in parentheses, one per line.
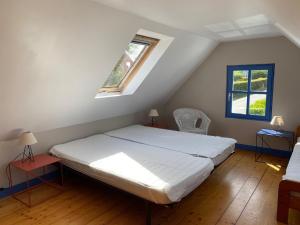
(262, 147)
(61, 173)
(28, 188)
(294, 140)
(291, 143)
(10, 182)
(258, 152)
(256, 145)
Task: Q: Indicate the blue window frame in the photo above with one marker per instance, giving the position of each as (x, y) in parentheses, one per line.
(249, 91)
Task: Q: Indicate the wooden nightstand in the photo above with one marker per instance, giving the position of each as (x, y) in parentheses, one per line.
(28, 167)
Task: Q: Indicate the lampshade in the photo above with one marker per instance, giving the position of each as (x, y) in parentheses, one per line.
(153, 113)
(27, 138)
(277, 121)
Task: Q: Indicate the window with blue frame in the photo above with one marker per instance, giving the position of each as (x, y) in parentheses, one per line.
(250, 91)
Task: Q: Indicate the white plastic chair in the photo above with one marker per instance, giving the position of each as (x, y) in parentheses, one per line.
(187, 118)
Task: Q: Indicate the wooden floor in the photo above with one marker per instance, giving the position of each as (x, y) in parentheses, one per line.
(239, 191)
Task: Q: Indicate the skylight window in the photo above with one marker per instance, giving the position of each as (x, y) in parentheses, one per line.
(131, 61)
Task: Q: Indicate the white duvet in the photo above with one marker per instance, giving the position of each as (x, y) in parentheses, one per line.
(189, 143)
(123, 164)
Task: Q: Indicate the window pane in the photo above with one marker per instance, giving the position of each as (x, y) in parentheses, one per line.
(239, 103)
(257, 104)
(259, 80)
(134, 50)
(240, 80)
(129, 58)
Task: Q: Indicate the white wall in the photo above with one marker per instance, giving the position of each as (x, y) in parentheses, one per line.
(55, 54)
(46, 139)
(207, 86)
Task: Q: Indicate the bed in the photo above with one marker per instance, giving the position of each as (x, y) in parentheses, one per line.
(215, 148)
(152, 173)
(289, 187)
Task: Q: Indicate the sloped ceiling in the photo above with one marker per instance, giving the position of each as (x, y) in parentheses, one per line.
(199, 16)
(55, 54)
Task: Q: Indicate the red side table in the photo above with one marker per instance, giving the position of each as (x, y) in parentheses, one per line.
(28, 167)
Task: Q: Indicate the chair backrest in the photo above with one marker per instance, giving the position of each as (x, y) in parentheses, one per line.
(186, 118)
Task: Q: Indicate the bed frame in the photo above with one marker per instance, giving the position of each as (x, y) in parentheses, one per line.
(148, 204)
(286, 200)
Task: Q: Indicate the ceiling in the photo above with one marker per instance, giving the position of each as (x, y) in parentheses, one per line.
(57, 53)
(224, 20)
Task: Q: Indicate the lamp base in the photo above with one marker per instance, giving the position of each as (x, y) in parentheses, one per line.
(153, 121)
(27, 154)
(277, 128)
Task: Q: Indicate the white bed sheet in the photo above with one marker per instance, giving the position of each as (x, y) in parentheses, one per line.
(293, 170)
(213, 147)
(146, 171)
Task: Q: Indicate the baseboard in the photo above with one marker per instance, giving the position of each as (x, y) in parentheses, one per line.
(271, 151)
(5, 192)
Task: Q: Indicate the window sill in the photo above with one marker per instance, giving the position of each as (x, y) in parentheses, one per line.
(247, 117)
(108, 94)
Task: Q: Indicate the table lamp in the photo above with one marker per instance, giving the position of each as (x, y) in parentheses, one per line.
(27, 139)
(277, 121)
(153, 114)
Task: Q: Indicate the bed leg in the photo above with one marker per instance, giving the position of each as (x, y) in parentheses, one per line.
(148, 213)
(282, 213)
(283, 204)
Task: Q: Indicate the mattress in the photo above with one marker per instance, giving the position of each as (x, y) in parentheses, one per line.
(215, 148)
(152, 173)
(292, 171)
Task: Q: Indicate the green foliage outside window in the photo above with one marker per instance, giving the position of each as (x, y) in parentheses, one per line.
(258, 108)
(126, 62)
(258, 84)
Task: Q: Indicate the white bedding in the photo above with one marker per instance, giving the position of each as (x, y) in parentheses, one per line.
(293, 169)
(149, 172)
(215, 148)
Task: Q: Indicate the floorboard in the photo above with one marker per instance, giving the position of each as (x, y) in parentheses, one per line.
(239, 191)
